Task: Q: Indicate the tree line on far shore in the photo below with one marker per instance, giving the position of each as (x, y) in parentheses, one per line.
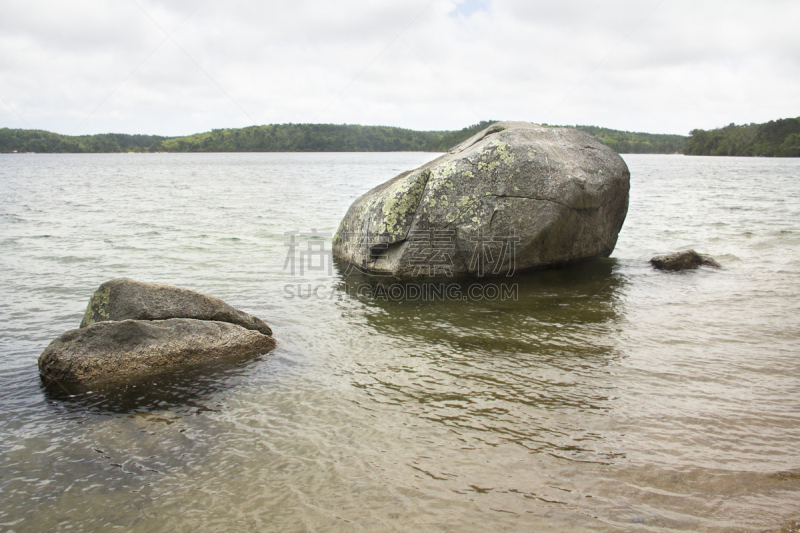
(40, 141)
(270, 138)
(775, 138)
(628, 142)
(304, 138)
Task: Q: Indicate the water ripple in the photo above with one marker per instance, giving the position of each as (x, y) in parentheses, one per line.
(607, 397)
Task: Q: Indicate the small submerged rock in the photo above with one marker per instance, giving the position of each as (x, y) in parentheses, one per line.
(134, 328)
(687, 259)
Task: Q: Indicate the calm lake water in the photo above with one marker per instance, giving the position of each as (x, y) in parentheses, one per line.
(607, 397)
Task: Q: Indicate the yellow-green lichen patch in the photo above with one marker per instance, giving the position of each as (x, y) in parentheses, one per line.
(494, 155)
(463, 207)
(441, 184)
(399, 204)
(488, 167)
(97, 307)
(505, 155)
(441, 175)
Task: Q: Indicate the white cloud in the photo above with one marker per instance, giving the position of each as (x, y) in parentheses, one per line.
(659, 66)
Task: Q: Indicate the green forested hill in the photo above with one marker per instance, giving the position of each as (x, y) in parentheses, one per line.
(318, 138)
(304, 138)
(776, 138)
(43, 141)
(627, 142)
(270, 138)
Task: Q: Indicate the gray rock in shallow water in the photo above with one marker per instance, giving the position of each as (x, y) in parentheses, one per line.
(534, 196)
(123, 299)
(107, 350)
(684, 260)
(132, 327)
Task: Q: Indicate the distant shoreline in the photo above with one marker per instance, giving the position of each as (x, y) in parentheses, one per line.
(779, 138)
(304, 138)
(328, 152)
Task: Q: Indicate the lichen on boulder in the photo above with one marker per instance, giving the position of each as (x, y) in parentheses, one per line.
(558, 194)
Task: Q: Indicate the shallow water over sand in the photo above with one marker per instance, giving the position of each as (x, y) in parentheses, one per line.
(606, 397)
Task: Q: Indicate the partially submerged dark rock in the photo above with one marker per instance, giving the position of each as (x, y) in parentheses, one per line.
(132, 327)
(132, 347)
(123, 299)
(554, 194)
(687, 259)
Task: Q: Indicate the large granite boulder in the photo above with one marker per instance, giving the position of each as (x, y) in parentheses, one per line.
(133, 347)
(123, 299)
(132, 327)
(687, 259)
(515, 196)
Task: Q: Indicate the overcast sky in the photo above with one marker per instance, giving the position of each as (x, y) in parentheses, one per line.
(186, 66)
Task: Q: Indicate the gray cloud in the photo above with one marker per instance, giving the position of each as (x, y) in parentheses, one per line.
(654, 66)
